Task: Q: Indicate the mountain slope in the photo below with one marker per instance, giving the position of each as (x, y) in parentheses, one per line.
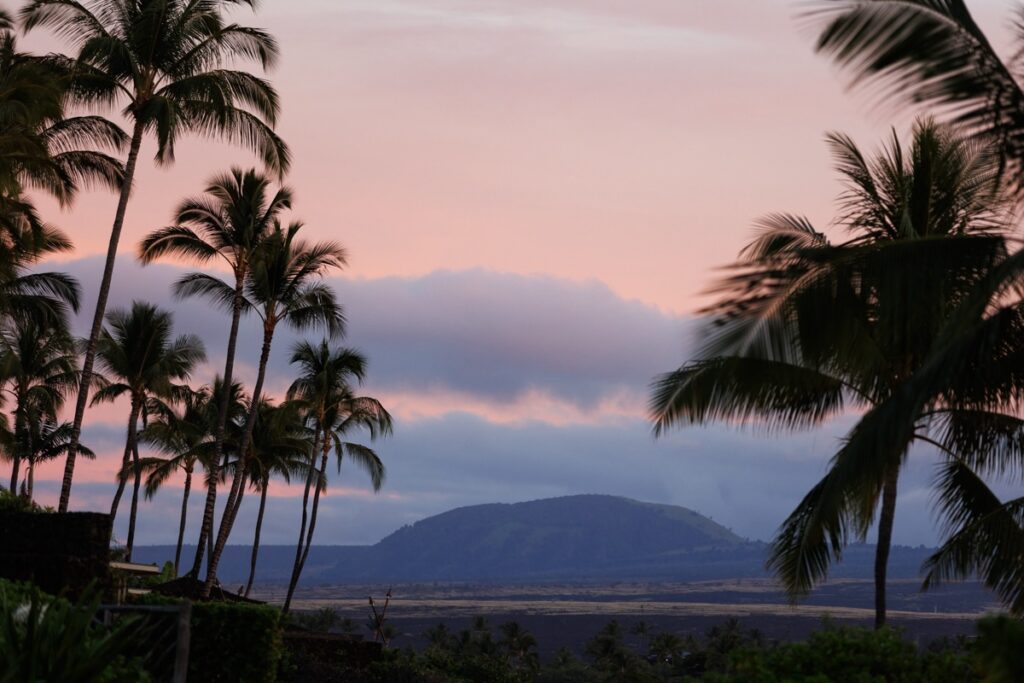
(571, 536)
(588, 537)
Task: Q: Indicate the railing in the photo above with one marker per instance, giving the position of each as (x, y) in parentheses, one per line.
(163, 636)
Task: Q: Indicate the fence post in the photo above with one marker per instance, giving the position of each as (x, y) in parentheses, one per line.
(184, 638)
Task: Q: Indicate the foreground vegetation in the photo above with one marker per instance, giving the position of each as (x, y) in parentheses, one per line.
(232, 642)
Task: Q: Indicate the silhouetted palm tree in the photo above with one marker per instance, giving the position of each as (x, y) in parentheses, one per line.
(39, 368)
(50, 440)
(325, 390)
(187, 440)
(228, 223)
(40, 147)
(279, 447)
(285, 285)
(807, 328)
(144, 362)
(934, 55)
(169, 62)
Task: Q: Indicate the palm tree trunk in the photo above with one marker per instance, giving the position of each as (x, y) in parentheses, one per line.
(19, 431)
(209, 546)
(256, 537)
(31, 479)
(97, 319)
(206, 530)
(231, 508)
(184, 514)
(294, 579)
(312, 516)
(135, 501)
(885, 524)
(14, 473)
(122, 476)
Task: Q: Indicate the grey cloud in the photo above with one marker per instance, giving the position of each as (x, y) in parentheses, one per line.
(496, 336)
(489, 334)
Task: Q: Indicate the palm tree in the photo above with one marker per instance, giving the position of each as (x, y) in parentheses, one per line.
(40, 147)
(933, 54)
(325, 390)
(228, 223)
(169, 63)
(285, 285)
(50, 440)
(136, 350)
(38, 366)
(183, 438)
(279, 446)
(807, 328)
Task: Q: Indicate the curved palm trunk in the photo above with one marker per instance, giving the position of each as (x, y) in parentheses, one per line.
(206, 530)
(14, 473)
(885, 524)
(97, 319)
(294, 579)
(31, 479)
(312, 518)
(184, 515)
(256, 537)
(234, 497)
(16, 469)
(122, 476)
(19, 435)
(133, 516)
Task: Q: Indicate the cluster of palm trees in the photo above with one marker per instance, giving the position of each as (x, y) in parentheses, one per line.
(170, 68)
(912, 317)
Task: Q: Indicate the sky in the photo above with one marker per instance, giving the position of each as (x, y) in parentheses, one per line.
(534, 195)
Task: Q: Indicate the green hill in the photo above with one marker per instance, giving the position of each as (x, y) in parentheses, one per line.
(574, 536)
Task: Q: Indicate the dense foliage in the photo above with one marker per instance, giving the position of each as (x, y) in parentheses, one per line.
(43, 638)
(726, 654)
(231, 641)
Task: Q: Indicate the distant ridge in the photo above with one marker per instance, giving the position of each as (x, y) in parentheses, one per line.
(572, 538)
(572, 535)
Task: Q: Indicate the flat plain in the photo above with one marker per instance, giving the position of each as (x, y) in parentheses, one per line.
(567, 615)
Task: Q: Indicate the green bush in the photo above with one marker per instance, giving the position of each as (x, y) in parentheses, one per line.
(13, 503)
(43, 638)
(846, 655)
(998, 652)
(230, 641)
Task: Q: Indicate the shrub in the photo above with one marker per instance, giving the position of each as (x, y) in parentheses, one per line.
(230, 641)
(13, 503)
(847, 655)
(997, 654)
(43, 638)
(234, 642)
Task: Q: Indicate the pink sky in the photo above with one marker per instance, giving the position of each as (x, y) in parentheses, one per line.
(626, 145)
(632, 143)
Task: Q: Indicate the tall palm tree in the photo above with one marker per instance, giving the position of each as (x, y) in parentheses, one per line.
(934, 55)
(170, 63)
(143, 362)
(279, 447)
(285, 285)
(807, 328)
(38, 366)
(325, 389)
(228, 223)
